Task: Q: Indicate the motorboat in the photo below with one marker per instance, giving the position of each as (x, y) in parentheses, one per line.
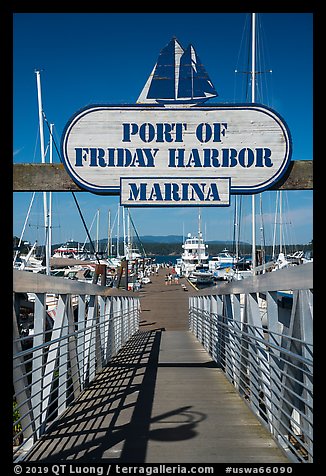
(201, 275)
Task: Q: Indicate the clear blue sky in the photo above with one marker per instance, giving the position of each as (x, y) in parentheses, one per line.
(89, 58)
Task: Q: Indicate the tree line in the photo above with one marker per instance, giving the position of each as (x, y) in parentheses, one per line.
(173, 249)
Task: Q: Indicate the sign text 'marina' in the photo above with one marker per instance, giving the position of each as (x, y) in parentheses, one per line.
(175, 192)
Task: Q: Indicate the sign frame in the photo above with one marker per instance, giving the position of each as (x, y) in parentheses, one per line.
(115, 190)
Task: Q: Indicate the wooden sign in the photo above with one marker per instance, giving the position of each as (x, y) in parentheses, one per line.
(108, 148)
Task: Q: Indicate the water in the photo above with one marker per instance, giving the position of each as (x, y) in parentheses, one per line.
(173, 258)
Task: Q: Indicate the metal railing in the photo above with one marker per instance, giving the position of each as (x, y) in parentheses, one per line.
(55, 362)
(262, 339)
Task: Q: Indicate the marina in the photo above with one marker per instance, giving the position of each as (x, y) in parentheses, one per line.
(162, 395)
(131, 347)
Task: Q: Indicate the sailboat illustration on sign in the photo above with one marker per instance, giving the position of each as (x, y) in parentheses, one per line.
(178, 77)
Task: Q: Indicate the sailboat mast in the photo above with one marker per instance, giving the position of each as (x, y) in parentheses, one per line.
(281, 223)
(118, 233)
(253, 58)
(45, 206)
(129, 243)
(109, 234)
(124, 233)
(236, 224)
(50, 193)
(275, 224)
(97, 230)
(253, 81)
(199, 235)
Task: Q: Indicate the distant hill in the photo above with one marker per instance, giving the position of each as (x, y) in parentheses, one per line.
(162, 245)
(161, 239)
(180, 239)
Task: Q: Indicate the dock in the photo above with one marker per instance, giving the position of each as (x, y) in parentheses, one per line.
(161, 399)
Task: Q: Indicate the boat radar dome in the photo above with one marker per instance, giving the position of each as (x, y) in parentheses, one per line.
(178, 77)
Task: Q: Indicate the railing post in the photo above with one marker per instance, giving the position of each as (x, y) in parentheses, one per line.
(306, 317)
(20, 382)
(194, 315)
(136, 315)
(52, 356)
(228, 325)
(104, 327)
(116, 324)
(81, 323)
(207, 307)
(212, 321)
(110, 330)
(37, 362)
(123, 319)
(273, 327)
(90, 336)
(72, 349)
(98, 334)
(251, 314)
(63, 359)
(219, 331)
(296, 402)
(236, 340)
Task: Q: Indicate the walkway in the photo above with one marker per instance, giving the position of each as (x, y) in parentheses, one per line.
(161, 400)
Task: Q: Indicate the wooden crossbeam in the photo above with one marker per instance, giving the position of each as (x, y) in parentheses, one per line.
(54, 178)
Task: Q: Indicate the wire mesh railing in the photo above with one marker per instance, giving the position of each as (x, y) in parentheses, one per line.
(59, 356)
(265, 349)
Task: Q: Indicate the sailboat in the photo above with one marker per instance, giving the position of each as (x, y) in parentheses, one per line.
(178, 77)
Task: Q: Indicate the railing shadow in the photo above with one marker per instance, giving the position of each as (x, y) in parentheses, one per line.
(111, 420)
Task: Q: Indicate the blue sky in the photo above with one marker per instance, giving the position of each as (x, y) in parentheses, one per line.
(89, 58)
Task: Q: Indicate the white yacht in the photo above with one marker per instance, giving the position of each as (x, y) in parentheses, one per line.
(194, 260)
(194, 253)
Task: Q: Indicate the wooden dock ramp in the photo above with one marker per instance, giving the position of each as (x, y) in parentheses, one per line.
(161, 400)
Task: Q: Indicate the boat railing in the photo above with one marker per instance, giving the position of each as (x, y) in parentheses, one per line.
(262, 339)
(57, 361)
